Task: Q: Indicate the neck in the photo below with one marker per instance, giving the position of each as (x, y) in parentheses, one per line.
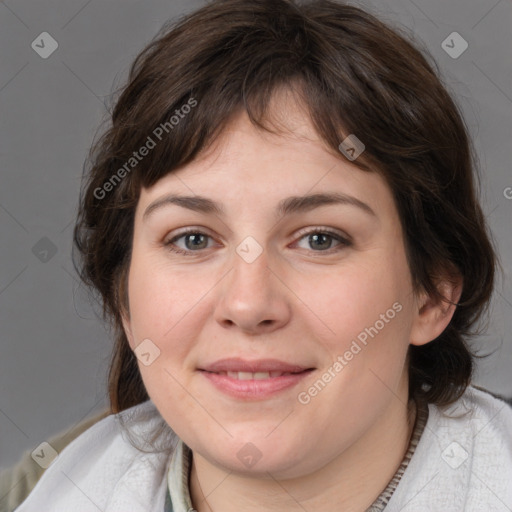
(349, 482)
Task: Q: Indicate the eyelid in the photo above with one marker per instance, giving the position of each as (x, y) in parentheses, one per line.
(190, 229)
(326, 230)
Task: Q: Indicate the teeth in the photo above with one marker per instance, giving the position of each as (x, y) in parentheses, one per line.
(253, 376)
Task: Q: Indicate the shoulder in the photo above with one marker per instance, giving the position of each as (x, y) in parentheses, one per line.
(486, 415)
(463, 460)
(110, 466)
(18, 480)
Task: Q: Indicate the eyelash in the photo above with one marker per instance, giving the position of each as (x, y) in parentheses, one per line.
(344, 242)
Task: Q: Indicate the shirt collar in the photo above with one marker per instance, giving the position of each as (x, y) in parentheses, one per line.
(178, 497)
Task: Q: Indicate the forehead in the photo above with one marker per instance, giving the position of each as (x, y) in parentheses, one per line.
(253, 168)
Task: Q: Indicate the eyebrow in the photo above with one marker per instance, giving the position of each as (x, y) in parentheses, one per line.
(290, 205)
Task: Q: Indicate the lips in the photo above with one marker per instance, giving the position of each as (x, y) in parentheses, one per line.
(253, 380)
(243, 368)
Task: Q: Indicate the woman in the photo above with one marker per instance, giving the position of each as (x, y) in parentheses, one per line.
(282, 224)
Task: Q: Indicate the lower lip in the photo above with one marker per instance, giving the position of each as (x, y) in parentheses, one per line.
(254, 389)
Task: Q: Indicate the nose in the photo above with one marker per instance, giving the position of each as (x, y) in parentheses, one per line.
(253, 297)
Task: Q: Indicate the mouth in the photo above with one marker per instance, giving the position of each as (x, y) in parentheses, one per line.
(253, 380)
(274, 367)
(255, 375)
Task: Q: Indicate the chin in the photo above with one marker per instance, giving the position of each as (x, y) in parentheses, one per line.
(256, 458)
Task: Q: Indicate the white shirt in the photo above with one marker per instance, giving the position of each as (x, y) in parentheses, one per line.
(460, 464)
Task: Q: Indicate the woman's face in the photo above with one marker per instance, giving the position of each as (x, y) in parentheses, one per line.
(276, 339)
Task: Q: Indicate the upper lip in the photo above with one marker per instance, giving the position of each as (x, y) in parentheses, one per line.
(257, 365)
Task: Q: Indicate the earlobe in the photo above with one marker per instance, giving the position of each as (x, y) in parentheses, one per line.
(432, 317)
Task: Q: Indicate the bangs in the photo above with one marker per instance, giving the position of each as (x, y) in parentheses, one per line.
(340, 76)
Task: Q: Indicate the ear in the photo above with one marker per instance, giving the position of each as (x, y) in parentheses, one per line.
(432, 317)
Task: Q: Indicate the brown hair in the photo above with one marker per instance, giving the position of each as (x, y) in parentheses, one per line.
(356, 76)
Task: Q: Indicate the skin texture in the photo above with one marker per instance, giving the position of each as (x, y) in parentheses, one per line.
(299, 301)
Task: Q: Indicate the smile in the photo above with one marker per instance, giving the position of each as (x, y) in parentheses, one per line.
(253, 380)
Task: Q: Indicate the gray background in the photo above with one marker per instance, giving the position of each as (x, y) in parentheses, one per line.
(54, 348)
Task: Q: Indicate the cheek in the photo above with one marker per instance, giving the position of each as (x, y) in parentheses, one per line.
(368, 314)
(168, 306)
(351, 300)
(159, 296)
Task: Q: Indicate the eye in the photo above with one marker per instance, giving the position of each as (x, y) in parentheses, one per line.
(321, 240)
(194, 241)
